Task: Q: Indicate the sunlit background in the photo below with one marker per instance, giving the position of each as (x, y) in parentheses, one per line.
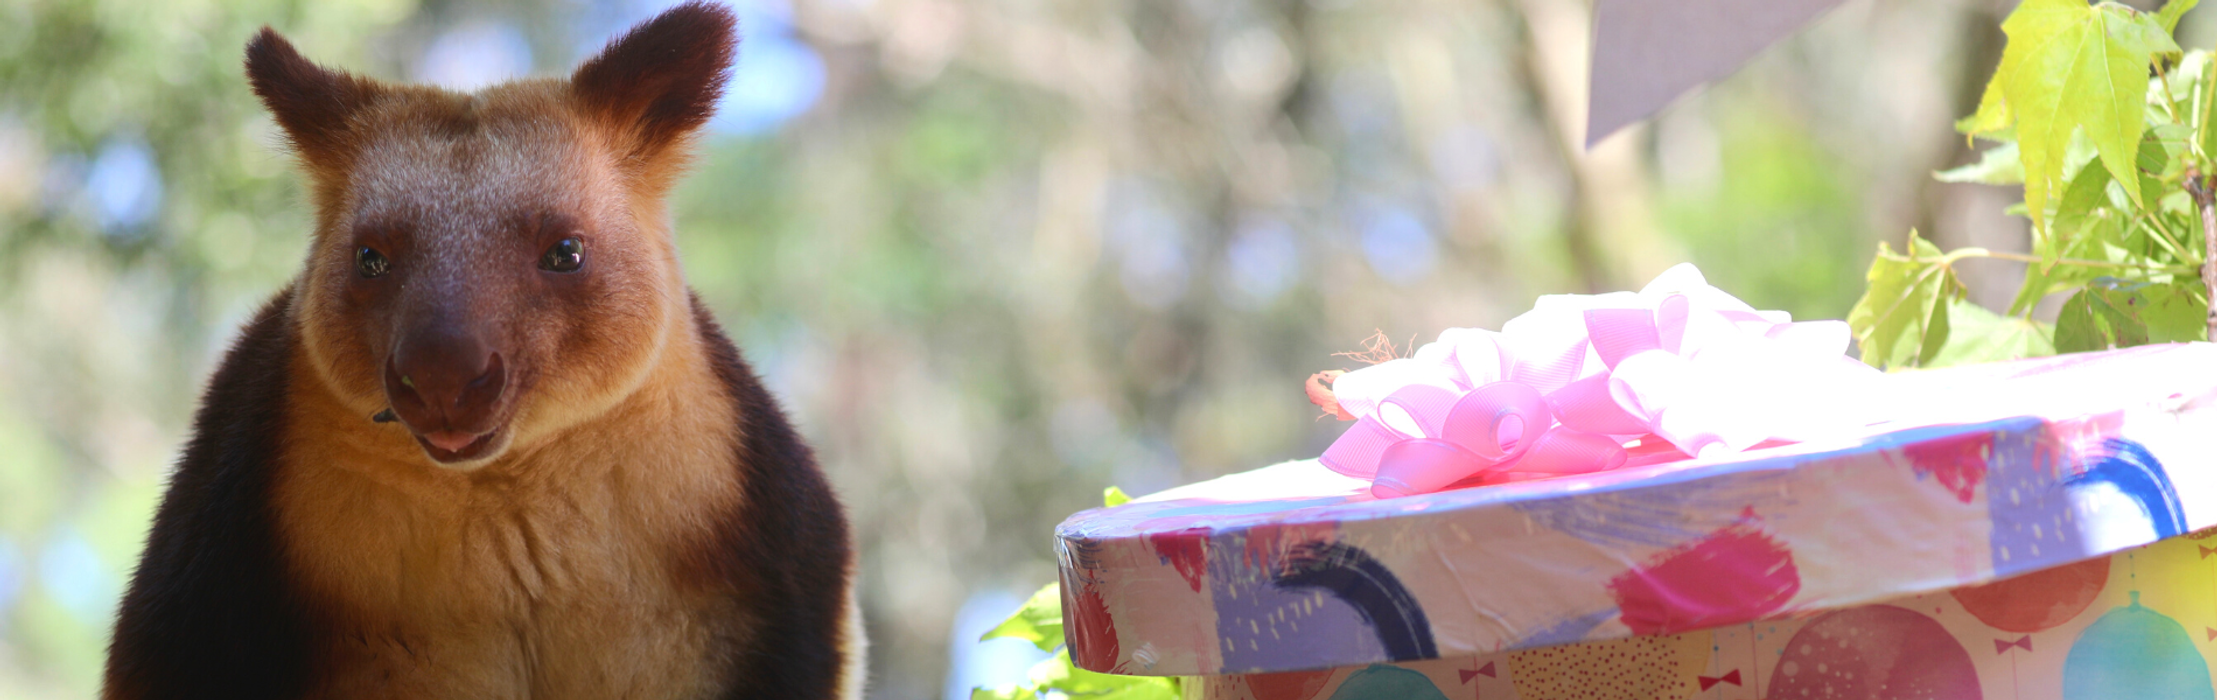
(995, 255)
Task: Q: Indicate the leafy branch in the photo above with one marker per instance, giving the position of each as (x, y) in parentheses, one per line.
(2111, 129)
(1960, 253)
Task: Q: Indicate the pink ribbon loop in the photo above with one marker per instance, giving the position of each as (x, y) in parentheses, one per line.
(1417, 410)
(1423, 465)
(1478, 420)
(1548, 367)
(1682, 367)
(1357, 451)
(1587, 405)
(1621, 333)
(1572, 452)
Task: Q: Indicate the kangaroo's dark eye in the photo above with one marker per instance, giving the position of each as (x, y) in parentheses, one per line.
(371, 263)
(565, 255)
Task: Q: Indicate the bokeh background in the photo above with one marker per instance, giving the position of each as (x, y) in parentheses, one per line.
(995, 255)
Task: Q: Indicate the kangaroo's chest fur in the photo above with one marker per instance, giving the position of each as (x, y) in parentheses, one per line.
(568, 572)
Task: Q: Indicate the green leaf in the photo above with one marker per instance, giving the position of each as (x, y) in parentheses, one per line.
(2159, 152)
(1894, 321)
(1996, 166)
(1992, 116)
(2077, 329)
(1038, 622)
(1976, 335)
(2205, 111)
(1112, 497)
(1012, 692)
(2086, 197)
(2176, 203)
(2172, 11)
(1936, 329)
(2089, 225)
(2070, 67)
(1059, 675)
(2112, 313)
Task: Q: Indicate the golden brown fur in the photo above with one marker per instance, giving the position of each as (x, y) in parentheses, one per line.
(640, 521)
(556, 569)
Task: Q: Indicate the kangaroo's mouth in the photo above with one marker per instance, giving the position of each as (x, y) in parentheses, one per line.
(450, 446)
(457, 410)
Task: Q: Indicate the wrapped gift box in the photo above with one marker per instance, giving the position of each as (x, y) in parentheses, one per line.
(2137, 624)
(1980, 473)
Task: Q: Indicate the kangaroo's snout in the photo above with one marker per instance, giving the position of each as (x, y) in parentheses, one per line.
(447, 384)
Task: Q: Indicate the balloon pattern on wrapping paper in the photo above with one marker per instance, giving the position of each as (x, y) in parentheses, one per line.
(1288, 685)
(1875, 651)
(1383, 682)
(2135, 652)
(2038, 600)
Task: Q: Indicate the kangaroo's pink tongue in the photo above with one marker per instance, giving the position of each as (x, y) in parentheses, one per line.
(449, 440)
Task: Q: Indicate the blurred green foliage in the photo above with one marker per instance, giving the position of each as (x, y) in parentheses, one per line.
(1007, 251)
(1779, 215)
(1040, 622)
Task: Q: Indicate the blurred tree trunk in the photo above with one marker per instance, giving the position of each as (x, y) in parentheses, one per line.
(1608, 232)
(1976, 58)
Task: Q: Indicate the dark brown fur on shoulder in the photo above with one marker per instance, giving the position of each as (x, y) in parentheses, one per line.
(750, 535)
(487, 444)
(209, 608)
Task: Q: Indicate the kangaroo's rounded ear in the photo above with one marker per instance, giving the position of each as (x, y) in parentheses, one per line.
(313, 104)
(660, 81)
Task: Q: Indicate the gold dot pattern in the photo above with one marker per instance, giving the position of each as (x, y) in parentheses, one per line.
(1663, 668)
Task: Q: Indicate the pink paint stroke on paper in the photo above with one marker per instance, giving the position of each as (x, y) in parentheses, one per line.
(1736, 574)
(1087, 627)
(1185, 550)
(1956, 462)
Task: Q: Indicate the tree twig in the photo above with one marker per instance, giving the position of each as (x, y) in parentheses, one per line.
(2198, 185)
(1961, 253)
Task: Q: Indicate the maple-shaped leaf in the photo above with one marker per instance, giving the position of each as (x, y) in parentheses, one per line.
(1038, 622)
(1996, 166)
(2068, 67)
(2172, 11)
(1976, 336)
(2113, 313)
(1902, 319)
(1992, 119)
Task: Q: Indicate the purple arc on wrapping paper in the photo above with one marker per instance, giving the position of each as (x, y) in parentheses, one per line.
(1354, 577)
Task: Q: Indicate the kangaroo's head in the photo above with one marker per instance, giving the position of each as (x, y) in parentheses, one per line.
(495, 267)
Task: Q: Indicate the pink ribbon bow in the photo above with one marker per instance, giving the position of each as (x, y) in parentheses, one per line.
(1708, 682)
(2002, 646)
(1681, 367)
